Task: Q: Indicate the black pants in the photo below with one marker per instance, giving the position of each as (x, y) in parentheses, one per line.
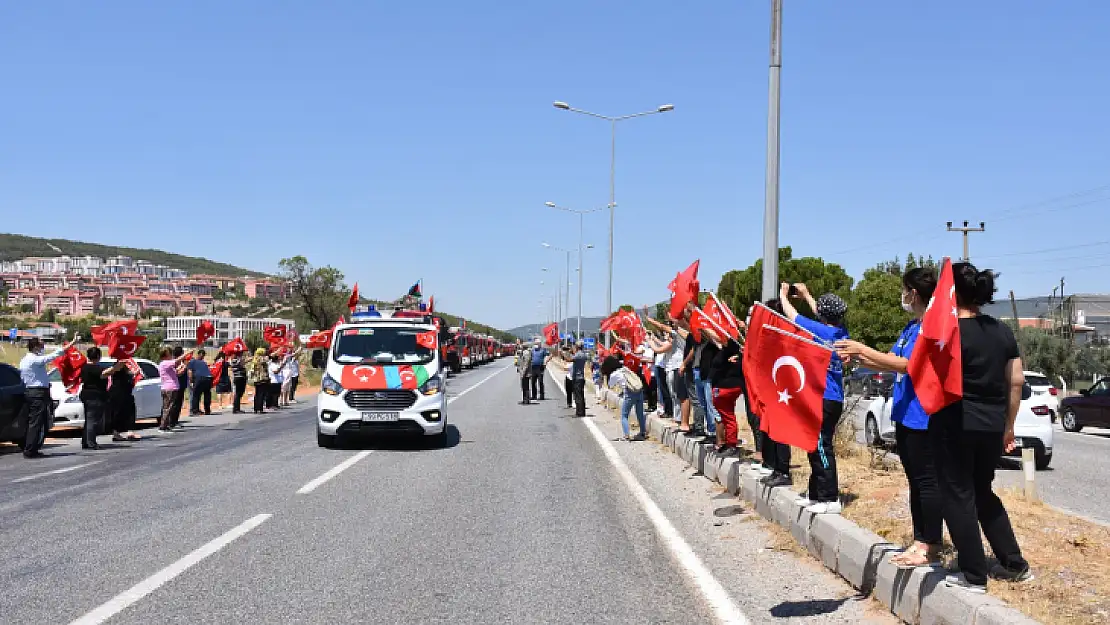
(95, 409)
(965, 469)
(651, 396)
(525, 390)
(665, 391)
(570, 391)
(537, 380)
(38, 413)
(761, 439)
(273, 394)
(261, 392)
(293, 382)
(823, 484)
(202, 390)
(918, 461)
(579, 387)
(178, 404)
(775, 455)
(240, 385)
(121, 411)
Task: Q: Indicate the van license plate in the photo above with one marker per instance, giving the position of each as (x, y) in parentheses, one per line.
(380, 416)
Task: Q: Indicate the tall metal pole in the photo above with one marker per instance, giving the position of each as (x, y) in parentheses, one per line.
(568, 292)
(771, 203)
(612, 212)
(581, 218)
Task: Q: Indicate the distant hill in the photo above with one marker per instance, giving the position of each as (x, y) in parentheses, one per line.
(590, 325)
(17, 246)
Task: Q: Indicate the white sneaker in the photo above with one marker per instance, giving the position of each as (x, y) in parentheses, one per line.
(804, 502)
(832, 507)
(766, 470)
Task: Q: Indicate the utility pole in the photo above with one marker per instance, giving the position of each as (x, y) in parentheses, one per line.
(966, 230)
(1013, 304)
(771, 194)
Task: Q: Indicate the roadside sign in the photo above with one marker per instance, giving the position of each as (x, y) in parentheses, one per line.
(589, 342)
(12, 334)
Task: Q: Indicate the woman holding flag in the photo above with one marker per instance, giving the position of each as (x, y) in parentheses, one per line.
(824, 489)
(910, 420)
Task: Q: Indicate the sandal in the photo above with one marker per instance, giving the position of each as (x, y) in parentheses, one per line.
(917, 555)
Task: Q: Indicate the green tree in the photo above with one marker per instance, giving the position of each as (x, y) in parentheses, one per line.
(49, 315)
(875, 315)
(254, 340)
(319, 292)
(740, 288)
(151, 348)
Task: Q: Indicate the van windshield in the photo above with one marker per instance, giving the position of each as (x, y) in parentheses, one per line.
(381, 345)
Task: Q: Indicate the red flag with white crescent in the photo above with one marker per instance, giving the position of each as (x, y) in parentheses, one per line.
(788, 374)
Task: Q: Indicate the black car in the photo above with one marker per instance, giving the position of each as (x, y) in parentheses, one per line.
(1091, 407)
(869, 383)
(13, 413)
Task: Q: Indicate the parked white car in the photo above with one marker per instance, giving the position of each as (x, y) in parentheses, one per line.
(1033, 427)
(1044, 391)
(69, 411)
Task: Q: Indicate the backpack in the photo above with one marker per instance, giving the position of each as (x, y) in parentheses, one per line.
(632, 381)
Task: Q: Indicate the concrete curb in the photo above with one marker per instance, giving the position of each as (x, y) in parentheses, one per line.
(859, 556)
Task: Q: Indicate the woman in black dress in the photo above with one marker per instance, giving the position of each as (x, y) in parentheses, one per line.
(121, 404)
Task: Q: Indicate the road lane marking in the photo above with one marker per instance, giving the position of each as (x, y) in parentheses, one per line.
(334, 471)
(350, 462)
(711, 589)
(36, 476)
(132, 595)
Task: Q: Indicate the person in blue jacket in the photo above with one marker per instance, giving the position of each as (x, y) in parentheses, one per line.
(827, 329)
(911, 423)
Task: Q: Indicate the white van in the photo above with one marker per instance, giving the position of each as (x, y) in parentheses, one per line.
(382, 374)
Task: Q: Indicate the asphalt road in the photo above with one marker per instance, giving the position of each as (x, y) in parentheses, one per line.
(528, 516)
(1076, 481)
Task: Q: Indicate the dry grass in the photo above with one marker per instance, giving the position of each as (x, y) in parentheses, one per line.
(1070, 556)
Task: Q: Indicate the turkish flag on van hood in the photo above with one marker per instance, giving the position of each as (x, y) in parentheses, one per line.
(936, 364)
(788, 374)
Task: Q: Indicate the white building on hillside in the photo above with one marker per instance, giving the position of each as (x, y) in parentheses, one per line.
(184, 329)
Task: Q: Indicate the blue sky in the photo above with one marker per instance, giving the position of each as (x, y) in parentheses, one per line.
(404, 140)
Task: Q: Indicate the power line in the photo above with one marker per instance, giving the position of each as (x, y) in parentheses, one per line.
(1049, 249)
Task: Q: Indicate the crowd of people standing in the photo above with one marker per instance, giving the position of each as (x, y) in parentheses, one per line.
(949, 457)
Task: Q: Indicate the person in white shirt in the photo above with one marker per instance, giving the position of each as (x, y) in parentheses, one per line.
(294, 374)
(32, 371)
(277, 364)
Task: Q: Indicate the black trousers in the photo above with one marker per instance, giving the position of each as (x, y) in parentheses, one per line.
(293, 382)
(240, 386)
(95, 409)
(178, 404)
(664, 391)
(651, 394)
(965, 469)
(273, 394)
(537, 381)
(38, 413)
(261, 393)
(570, 390)
(823, 484)
(760, 438)
(202, 391)
(916, 452)
(775, 455)
(525, 389)
(121, 411)
(579, 387)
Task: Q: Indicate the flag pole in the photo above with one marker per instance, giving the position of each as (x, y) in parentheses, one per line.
(800, 338)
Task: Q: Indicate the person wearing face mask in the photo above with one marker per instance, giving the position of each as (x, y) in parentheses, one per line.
(910, 421)
(824, 488)
(32, 370)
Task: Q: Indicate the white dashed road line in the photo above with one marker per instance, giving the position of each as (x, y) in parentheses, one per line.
(28, 478)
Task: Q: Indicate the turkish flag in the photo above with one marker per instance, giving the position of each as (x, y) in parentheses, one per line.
(124, 346)
(936, 364)
(274, 335)
(320, 340)
(608, 323)
(722, 316)
(363, 377)
(352, 301)
(216, 369)
(426, 339)
(788, 374)
(102, 335)
(700, 321)
(646, 370)
(69, 367)
(234, 346)
(551, 333)
(761, 316)
(136, 371)
(205, 331)
(408, 376)
(684, 289)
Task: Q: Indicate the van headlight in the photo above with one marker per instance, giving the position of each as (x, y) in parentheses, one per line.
(330, 386)
(433, 386)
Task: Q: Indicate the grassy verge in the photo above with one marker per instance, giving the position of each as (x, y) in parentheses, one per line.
(1070, 556)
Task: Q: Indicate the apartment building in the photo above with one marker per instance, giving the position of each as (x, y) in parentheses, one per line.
(266, 289)
(63, 302)
(184, 329)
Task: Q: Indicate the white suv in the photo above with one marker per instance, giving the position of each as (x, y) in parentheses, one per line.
(1033, 427)
(1044, 391)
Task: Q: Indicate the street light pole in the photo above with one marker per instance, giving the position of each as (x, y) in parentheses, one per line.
(612, 182)
(771, 199)
(581, 232)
